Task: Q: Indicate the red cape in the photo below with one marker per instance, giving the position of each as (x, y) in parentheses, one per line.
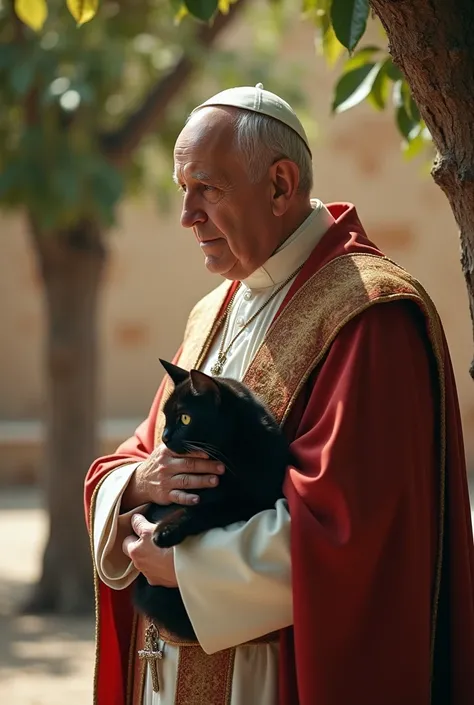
(364, 509)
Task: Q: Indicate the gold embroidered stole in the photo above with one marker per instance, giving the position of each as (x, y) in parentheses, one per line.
(293, 347)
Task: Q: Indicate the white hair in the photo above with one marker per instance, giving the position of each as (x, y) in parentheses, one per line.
(262, 140)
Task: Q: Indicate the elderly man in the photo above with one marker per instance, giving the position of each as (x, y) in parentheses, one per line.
(370, 601)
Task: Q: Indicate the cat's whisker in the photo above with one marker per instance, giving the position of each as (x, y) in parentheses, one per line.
(213, 452)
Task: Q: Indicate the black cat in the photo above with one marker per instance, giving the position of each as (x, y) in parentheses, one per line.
(222, 418)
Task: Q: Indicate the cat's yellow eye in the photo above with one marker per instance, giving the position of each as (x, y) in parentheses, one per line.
(185, 419)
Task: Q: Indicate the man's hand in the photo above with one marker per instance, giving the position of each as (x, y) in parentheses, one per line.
(166, 478)
(156, 564)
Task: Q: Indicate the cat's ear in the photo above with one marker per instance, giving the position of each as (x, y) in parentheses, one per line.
(203, 384)
(176, 373)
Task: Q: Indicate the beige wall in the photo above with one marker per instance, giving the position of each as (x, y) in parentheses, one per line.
(156, 273)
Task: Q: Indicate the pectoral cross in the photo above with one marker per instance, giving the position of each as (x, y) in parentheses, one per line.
(151, 653)
(218, 366)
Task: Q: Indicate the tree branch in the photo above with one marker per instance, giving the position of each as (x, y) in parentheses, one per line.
(120, 144)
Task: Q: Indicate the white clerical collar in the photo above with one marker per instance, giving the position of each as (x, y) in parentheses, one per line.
(294, 251)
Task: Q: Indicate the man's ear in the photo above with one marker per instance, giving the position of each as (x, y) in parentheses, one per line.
(204, 384)
(176, 373)
(285, 176)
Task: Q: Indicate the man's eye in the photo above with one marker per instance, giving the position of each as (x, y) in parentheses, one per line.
(185, 419)
(209, 188)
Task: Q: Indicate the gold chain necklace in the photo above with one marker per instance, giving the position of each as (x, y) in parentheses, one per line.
(217, 368)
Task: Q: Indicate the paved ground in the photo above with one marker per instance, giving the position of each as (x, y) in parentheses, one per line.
(43, 661)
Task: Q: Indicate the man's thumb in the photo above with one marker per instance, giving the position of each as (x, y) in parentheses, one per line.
(140, 525)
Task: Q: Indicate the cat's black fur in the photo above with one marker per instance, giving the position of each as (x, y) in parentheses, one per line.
(230, 425)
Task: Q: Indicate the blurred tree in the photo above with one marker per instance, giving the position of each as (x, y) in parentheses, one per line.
(88, 116)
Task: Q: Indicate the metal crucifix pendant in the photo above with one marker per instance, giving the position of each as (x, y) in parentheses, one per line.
(150, 654)
(217, 368)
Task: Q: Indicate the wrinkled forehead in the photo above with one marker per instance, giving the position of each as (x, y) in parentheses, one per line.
(205, 145)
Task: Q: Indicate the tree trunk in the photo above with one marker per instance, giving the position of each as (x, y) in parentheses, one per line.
(432, 43)
(71, 263)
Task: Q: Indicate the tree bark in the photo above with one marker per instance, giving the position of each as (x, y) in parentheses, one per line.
(432, 44)
(71, 262)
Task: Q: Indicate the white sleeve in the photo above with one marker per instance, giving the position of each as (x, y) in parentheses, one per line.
(236, 581)
(109, 529)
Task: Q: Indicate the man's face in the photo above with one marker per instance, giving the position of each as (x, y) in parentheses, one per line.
(233, 219)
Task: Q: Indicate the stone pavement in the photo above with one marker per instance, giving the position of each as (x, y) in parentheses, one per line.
(43, 661)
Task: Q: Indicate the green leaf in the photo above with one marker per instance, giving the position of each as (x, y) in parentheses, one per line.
(360, 57)
(349, 19)
(332, 47)
(327, 43)
(380, 92)
(393, 72)
(354, 87)
(408, 127)
(202, 9)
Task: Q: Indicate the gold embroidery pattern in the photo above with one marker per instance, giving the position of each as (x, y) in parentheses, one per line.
(204, 679)
(301, 336)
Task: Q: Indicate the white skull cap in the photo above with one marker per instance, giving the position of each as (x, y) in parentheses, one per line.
(260, 101)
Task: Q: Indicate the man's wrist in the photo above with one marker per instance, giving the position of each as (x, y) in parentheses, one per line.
(133, 493)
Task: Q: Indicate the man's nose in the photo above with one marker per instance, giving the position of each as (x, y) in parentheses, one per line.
(191, 214)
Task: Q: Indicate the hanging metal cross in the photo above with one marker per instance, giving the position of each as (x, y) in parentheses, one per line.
(151, 653)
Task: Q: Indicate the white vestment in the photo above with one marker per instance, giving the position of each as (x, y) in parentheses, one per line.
(234, 581)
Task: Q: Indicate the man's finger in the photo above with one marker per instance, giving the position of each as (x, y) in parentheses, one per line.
(141, 526)
(181, 497)
(196, 465)
(193, 454)
(193, 482)
(128, 545)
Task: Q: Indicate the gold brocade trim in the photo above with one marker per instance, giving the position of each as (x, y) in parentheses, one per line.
(300, 337)
(130, 697)
(96, 586)
(136, 687)
(204, 679)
